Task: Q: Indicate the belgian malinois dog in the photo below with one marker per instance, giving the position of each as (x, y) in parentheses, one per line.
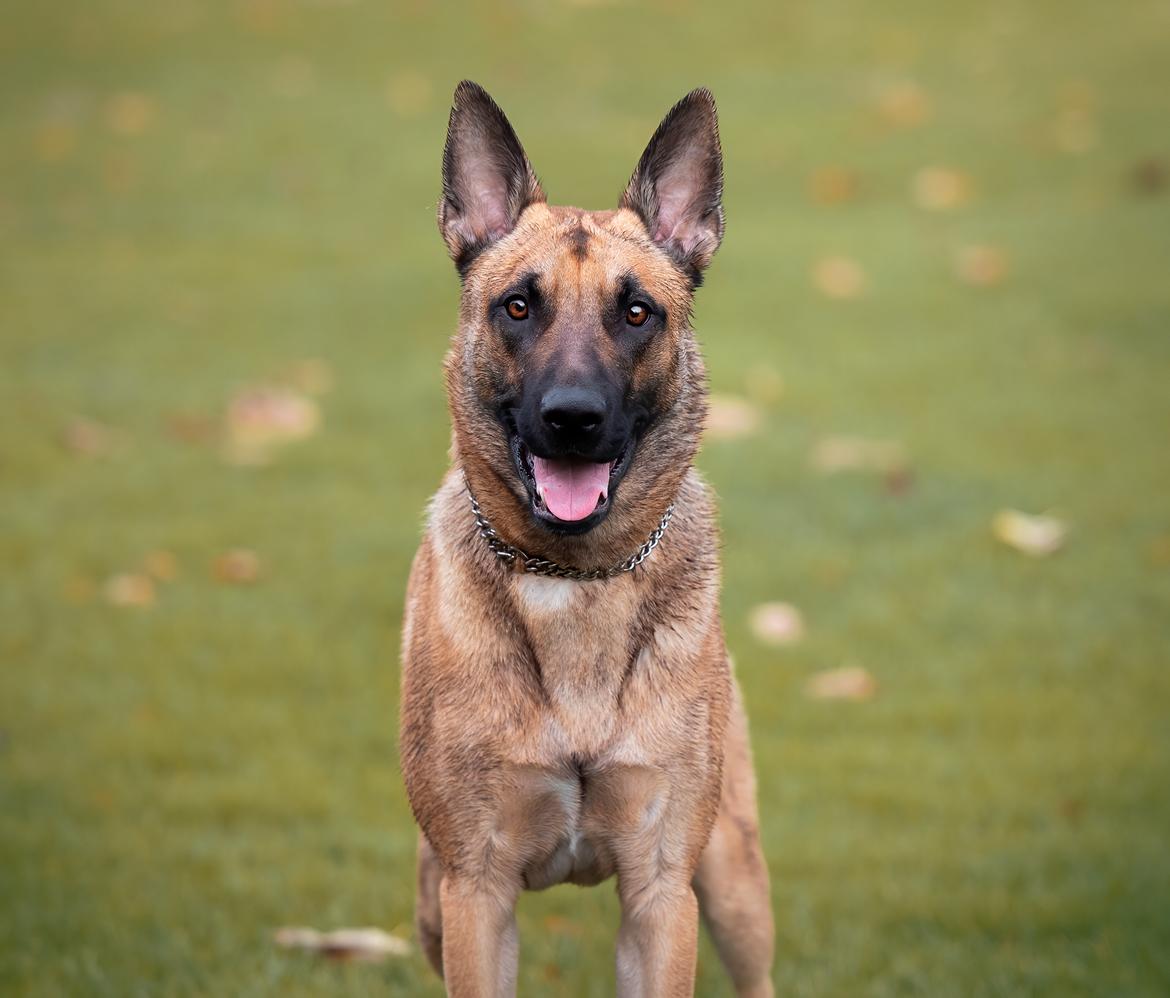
(568, 707)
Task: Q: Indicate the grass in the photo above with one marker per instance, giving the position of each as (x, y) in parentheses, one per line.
(178, 780)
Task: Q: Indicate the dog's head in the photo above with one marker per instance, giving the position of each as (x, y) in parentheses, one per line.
(577, 392)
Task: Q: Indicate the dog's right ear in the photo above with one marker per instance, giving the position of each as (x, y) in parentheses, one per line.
(487, 179)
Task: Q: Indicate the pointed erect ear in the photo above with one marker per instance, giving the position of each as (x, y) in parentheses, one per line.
(487, 179)
(677, 189)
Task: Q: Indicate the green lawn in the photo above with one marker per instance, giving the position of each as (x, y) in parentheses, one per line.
(196, 195)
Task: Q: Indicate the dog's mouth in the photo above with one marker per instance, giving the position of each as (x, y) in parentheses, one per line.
(569, 494)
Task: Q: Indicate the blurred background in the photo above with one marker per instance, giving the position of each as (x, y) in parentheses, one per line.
(937, 338)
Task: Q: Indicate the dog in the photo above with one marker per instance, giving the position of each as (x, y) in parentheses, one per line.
(568, 706)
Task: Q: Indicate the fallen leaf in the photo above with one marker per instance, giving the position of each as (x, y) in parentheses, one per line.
(130, 113)
(730, 417)
(777, 624)
(89, 438)
(361, 945)
(562, 926)
(1037, 536)
(1150, 177)
(903, 104)
(78, 589)
(239, 567)
(161, 565)
(981, 266)
(899, 481)
(131, 589)
(940, 188)
(55, 141)
(851, 682)
(845, 453)
(832, 185)
(192, 427)
(1159, 551)
(839, 277)
(261, 420)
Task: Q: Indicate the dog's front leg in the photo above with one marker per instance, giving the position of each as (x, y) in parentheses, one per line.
(480, 942)
(657, 941)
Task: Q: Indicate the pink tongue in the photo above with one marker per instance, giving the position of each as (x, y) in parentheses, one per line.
(571, 489)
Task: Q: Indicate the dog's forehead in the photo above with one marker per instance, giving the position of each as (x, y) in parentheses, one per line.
(581, 253)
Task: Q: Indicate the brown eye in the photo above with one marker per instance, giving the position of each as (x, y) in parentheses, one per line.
(637, 313)
(517, 307)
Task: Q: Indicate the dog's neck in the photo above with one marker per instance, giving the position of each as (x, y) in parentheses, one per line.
(534, 564)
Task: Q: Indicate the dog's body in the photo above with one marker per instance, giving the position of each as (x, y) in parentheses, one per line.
(570, 729)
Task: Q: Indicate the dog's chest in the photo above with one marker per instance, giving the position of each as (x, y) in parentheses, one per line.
(579, 633)
(586, 779)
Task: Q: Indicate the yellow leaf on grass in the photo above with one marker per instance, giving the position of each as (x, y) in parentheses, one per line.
(730, 417)
(832, 185)
(129, 589)
(1037, 536)
(904, 104)
(981, 266)
(240, 566)
(839, 277)
(845, 453)
(940, 188)
(130, 113)
(260, 420)
(367, 945)
(777, 624)
(161, 565)
(850, 682)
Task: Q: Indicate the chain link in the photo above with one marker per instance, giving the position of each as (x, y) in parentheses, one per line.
(535, 565)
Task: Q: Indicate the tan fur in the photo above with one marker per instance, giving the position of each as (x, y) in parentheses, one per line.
(559, 731)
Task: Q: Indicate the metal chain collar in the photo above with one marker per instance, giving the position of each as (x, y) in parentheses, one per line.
(535, 565)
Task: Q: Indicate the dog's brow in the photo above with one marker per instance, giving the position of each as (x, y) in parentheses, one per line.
(580, 241)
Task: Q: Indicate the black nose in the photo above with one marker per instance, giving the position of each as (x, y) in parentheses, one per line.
(572, 413)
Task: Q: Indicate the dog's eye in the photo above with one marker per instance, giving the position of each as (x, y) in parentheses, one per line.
(517, 307)
(637, 313)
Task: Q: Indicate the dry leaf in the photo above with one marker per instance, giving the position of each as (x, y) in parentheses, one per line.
(777, 624)
(730, 417)
(844, 453)
(980, 266)
(839, 277)
(260, 420)
(55, 141)
(850, 682)
(362, 945)
(1037, 536)
(192, 427)
(1150, 177)
(161, 565)
(89, 438)
(239, 567)
(130, 113)
(904, 104)
(129, 589)
(939, 188)
(832, 185)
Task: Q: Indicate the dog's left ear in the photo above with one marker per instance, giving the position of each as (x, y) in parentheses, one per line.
(487, 179)
(677, 189)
